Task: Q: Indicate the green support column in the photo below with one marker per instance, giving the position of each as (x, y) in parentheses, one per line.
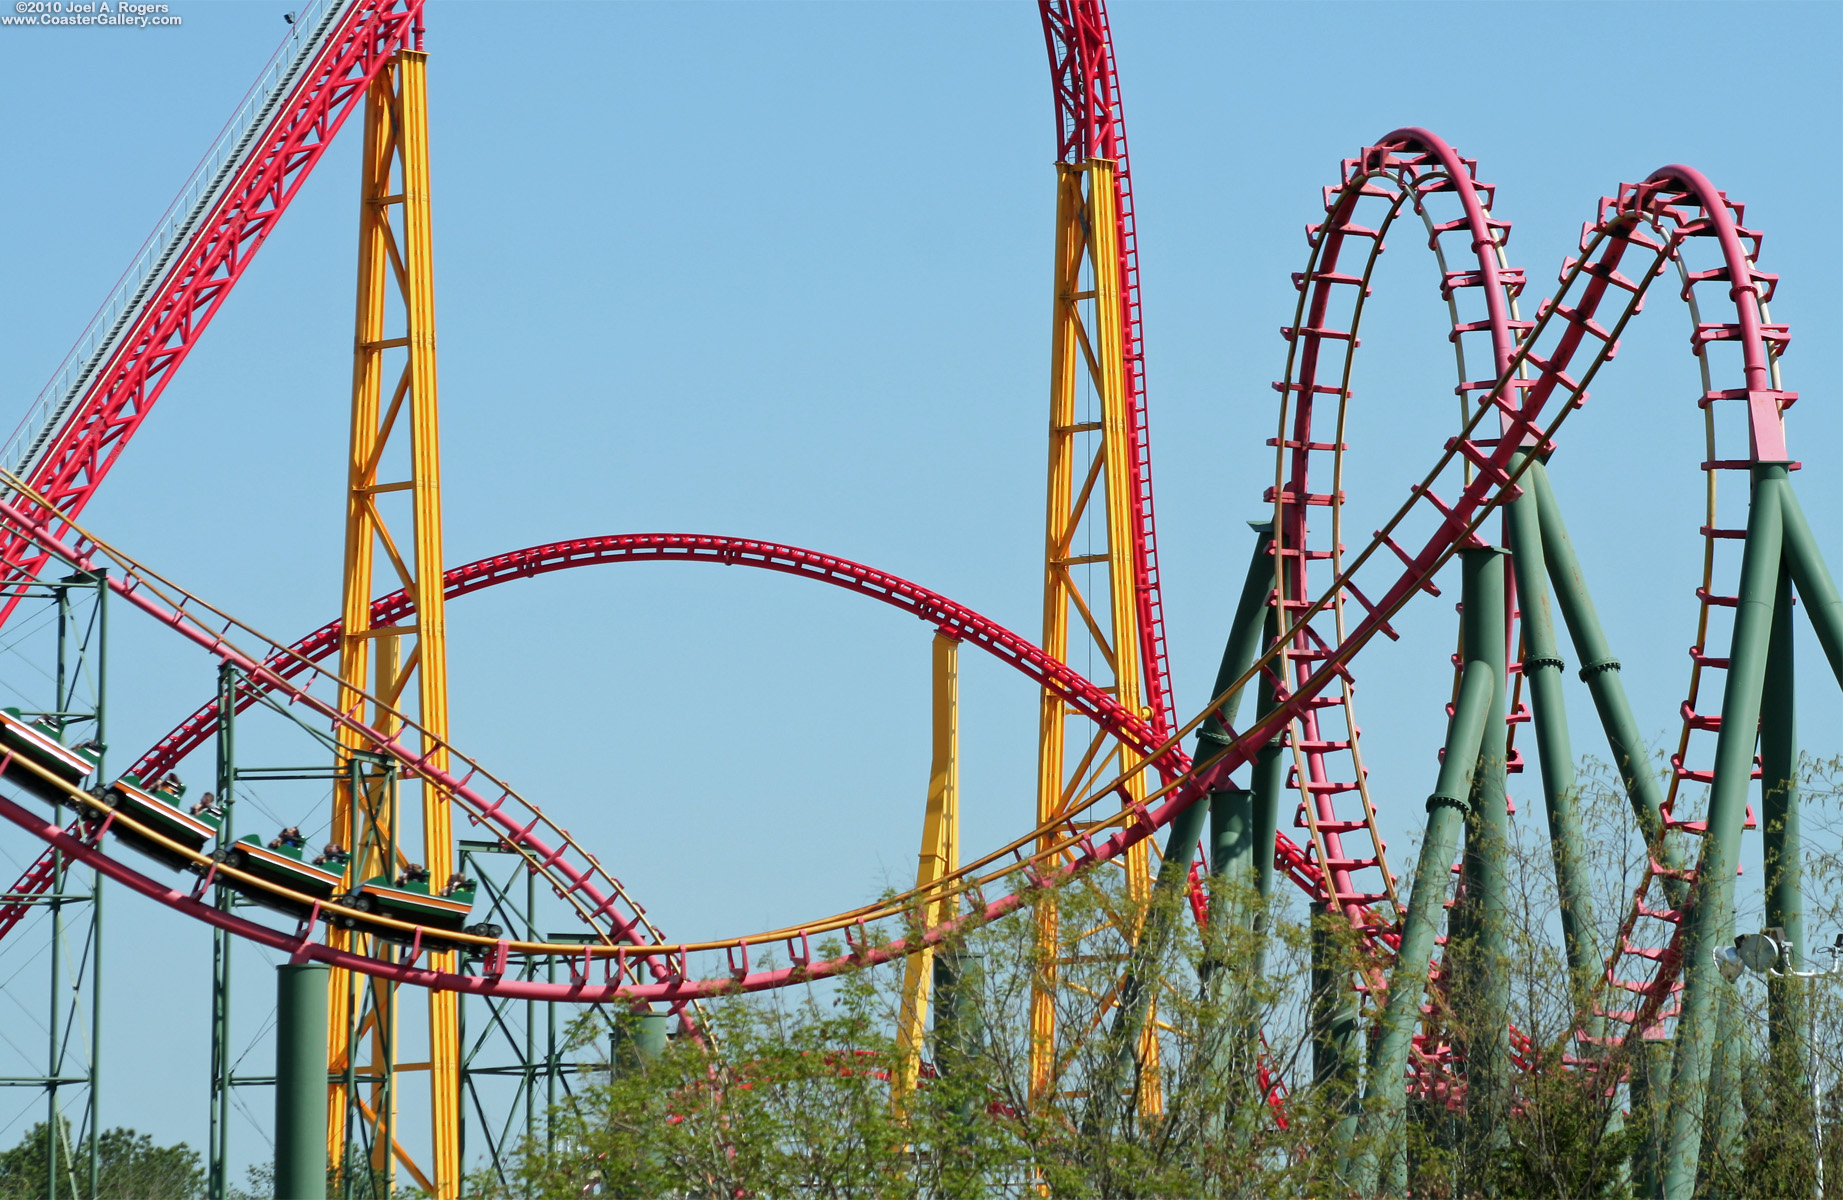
(1231, 811)
(1710, 916)
(1380, 1130)
(217, 1182)
(1650, 1100)
(1231, 857)
(1720, 1164)
(639, 1038)
(300, 1082)
(1789, 1105)
(1224, 1036)
(1542, 670)
(1823, 607)
(1244, 643)
(1336, 1029)
(1267, 779)
(959, 1018)
(1481, 992)
(1779, 782)
(100, 579)
(1600, 671)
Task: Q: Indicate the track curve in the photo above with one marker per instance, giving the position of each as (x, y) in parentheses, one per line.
(1515, 396)
(950, 617)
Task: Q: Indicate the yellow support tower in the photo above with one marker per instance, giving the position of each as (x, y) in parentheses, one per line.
(395, 432)
(940, 856)
(1089, 528)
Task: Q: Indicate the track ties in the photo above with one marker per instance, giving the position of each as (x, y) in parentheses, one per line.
(35, 881)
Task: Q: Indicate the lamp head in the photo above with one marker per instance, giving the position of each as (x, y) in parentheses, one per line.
(1758, 952)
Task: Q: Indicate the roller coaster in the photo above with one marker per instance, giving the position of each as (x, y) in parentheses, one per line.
(1115, 774)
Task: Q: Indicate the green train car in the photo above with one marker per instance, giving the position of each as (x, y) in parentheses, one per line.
(37, 742)
(282, 867)
(409, 899)
(158, 808)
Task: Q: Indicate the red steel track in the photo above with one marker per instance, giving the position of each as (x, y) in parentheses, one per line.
(951, 618)
(120, 396)
(1091, 124)
(1518, 407)
(1538, 374)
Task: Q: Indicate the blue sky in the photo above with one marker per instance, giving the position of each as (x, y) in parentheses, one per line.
(783, 271)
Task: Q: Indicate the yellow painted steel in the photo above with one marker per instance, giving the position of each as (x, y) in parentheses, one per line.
(940, 855)
(396, 262)
(1088, 342)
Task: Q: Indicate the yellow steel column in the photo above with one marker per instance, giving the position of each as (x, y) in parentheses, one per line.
(395, 247)
(431, 614)
(1116, 451)
(1064, 348)
(1088, 341)
(940, 855)
(355, 611)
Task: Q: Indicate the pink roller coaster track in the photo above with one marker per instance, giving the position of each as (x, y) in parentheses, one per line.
(1539, 371)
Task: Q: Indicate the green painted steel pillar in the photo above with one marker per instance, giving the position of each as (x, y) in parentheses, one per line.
(1238, 654)
(1779, 782)
(1650, 1093)
(959, 1018)
(1823, 607)
(1786, 999)
(1710, 917)
(1337, 1032)
(1232, 839)
(1600, 671)
(1728, 1071)
(1481, 991)
(217, 1185)
(300, 1081)
(638, 1039)
(1266, 779)
(959, 1026)
(1542, 671)
(1380, 1130)
(1244, 643)
(1231, 856)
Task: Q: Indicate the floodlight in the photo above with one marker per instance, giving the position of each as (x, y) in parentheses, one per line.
(1757, 951)
(1728, 959)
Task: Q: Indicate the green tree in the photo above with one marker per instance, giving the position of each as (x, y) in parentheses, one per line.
(129, 1165)
(788, 1093)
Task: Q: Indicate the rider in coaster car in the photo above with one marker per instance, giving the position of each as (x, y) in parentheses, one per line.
(334, 854)
(207, 803)
(458, 883)
(290, 837)
(413, 873)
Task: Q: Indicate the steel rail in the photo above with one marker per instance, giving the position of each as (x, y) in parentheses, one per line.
(1409, 167)
(196, 201)
(1648, 967)
(144, 589)
(949, 616)
(1090, 123)
(169, 321)
(1419, 164)
(1495, 482)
